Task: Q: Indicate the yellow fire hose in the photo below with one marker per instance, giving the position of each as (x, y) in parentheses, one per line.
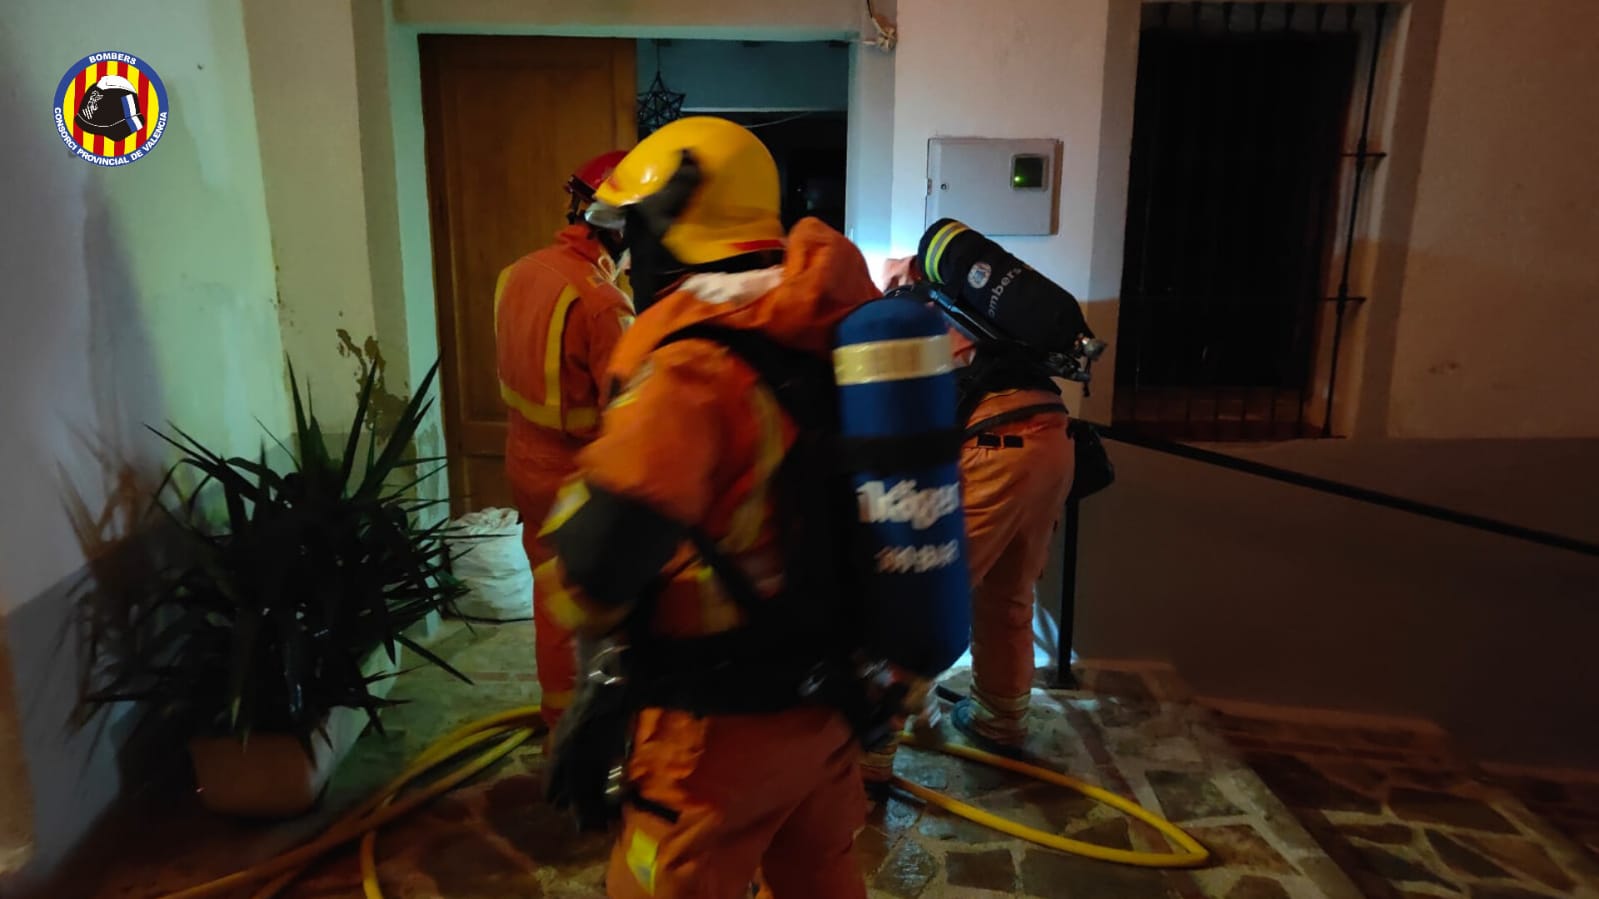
(510, 729)
(1192, 855)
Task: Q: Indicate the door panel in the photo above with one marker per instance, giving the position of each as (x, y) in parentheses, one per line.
(507, 120)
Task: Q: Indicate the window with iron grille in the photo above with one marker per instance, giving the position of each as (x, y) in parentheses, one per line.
(1242, 203)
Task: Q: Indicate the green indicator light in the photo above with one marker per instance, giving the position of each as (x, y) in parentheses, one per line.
(1027, 172)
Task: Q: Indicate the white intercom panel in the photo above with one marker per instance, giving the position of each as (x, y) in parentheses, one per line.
(997, 186)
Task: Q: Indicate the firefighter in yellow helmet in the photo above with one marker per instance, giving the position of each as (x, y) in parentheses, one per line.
(731, 770)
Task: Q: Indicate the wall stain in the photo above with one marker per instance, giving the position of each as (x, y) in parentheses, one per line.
(386, 406)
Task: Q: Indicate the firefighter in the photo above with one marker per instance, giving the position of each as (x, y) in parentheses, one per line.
(689, 448)
(558, 315)
(1016, 471)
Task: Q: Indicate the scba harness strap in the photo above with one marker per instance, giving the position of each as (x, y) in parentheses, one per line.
(1004, 418)
(797, 646)
(996, 368)
(1007, 369)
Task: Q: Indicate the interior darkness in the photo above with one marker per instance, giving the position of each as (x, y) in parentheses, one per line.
(810, 152)
(1235, 160)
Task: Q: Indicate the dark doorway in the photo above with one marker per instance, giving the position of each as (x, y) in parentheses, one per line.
(810, 149)
(1237, 141)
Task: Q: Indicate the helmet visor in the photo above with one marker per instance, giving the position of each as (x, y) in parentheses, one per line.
(605, 216)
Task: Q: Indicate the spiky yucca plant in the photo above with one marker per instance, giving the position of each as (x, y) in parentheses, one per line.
(286, 582)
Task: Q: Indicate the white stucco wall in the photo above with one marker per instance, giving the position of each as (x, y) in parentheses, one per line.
(962, 70)
(1499, 322)
(136, 295)
(1036, 71)
(869, 179)
(303, 67)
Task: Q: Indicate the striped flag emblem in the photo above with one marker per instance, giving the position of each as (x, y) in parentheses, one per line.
(112, 107)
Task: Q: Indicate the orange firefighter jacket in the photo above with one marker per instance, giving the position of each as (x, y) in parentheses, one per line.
(558, 316)
(696, 436)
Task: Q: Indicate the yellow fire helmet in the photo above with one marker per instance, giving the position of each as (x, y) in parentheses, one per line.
(706, 187)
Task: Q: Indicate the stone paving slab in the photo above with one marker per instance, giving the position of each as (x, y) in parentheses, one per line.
(1406, 816)
(494, 839)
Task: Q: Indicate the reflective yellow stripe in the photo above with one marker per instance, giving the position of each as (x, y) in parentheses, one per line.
(571, 497)
(631, 387)
(744, 527)
(557, 700)
(554, 346)
(499, 294)
(892, 360)
(556, 600)
(549, 413)
(545, 416)
(717, 612)
(641, 852)
(705, 589)
(69, 104)
(625, 399)
(936, 248)
(152, 116)
(566, 612)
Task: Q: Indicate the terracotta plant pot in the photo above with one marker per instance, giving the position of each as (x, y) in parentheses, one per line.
(271, 775)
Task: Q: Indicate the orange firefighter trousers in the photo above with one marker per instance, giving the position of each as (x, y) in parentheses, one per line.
(537, 473)
(1014, 495)
(781, 792)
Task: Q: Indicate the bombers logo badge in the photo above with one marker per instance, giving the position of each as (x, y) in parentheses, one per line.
(110, 108)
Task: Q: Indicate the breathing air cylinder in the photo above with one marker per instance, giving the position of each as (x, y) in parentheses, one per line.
(896, 383)
(1023, 305)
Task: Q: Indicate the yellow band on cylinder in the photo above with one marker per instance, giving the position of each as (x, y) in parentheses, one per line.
(892, 360)
(936, 248)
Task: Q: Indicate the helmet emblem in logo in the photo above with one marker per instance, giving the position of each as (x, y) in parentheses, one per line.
(978, 276)
(110, 108)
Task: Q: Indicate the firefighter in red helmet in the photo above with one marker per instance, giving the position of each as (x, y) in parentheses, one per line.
(558, 314)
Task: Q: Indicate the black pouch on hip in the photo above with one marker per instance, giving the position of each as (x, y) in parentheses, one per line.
(1094, 470)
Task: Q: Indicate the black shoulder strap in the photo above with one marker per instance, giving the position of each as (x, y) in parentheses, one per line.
(997, 367)
(970, 390)
(794, 377)
(801, 382)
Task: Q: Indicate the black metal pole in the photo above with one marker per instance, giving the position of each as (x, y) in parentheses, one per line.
(1064, 678)
(1362, 156)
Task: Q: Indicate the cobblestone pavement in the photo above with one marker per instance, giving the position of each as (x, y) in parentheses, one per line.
(1136, 734)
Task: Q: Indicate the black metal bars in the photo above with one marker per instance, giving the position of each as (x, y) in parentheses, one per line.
(1238, 153)
(1362, 156)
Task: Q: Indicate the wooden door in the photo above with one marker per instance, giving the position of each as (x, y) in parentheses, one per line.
(507, 120)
